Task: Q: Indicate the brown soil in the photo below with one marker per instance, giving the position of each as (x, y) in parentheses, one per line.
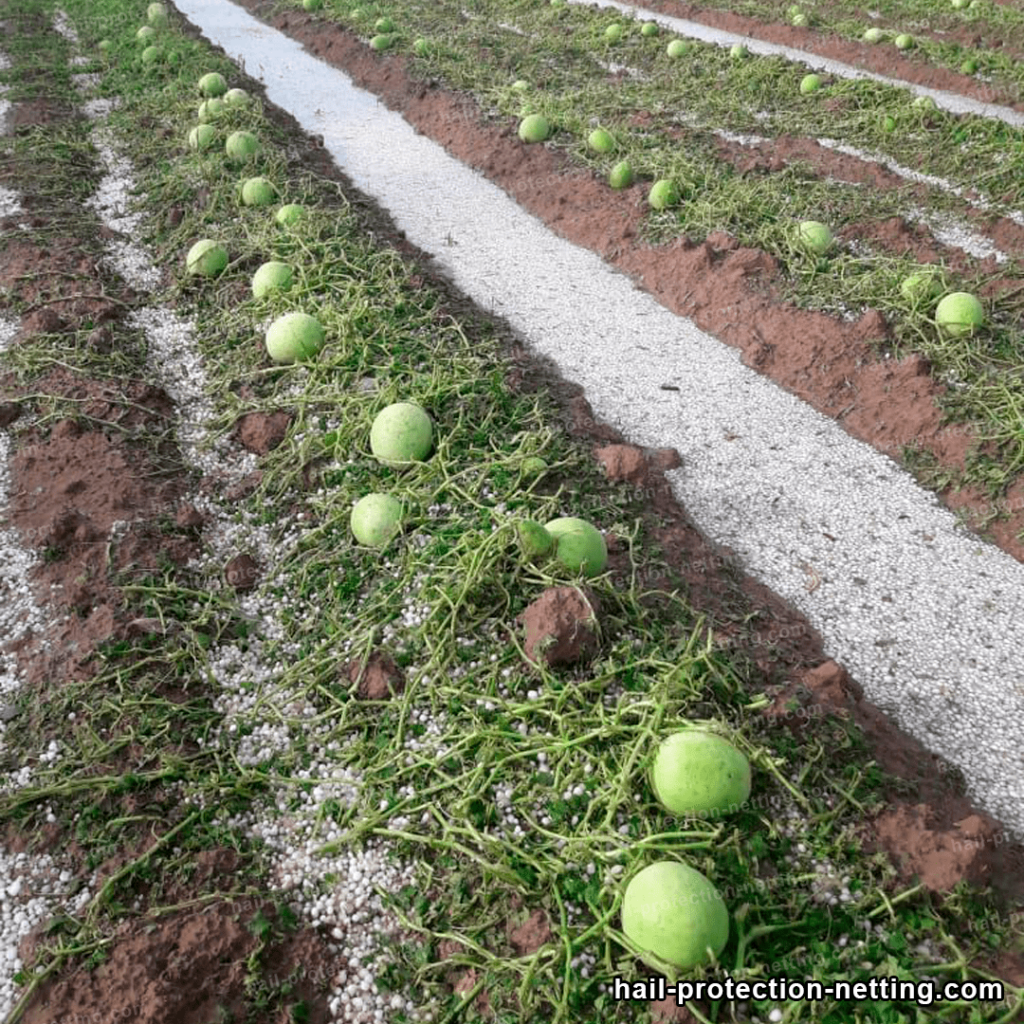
(77, 476)
(187, 967)
(562, 626)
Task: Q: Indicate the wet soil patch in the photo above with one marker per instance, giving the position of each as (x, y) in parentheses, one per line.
(59, 285)
(71, 483)
(38, 113)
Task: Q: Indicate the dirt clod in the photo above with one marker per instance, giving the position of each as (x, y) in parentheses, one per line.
(622, 463)
(43, 321)
(242, 572)
(246, 486)
(531, 935)
(188, 517)
(824, 690)
(667, 1011)
(664, 459)
(937, 857)
(379, 678)
(9, 412)
(561, 626)
(261, 432)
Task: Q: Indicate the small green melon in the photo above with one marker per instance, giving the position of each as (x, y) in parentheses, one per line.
(649, 29)
(376, 519)
(213, 84)
(621, 175)
(401, 434)
(579, 546)
(294, 336)
(236, 98)
(904, 41)
(534, 128)
(258, 192)
(809, 84)
(534, 540)
(384, 25)
(272, 276)
(600, 141)
(873, 35)
(678, 48)
(380, 42)
(241, 146)
(613, 33)
(210, 109)
(663, 194)
(695, 773)
(532, 465)
(675, 915)
(206, 258)
(959, 313)
(814, 236)
(289, 215)
(152, 55)
(202, 137)
(146, 34)
(920, 287)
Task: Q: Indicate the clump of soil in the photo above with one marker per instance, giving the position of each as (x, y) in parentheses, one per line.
(378, 678)
(242, 572)
(531, 935)
(261, 432)
(562, 626)
(923, 850)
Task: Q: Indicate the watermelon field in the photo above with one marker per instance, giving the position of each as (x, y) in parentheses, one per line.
(511, 511)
